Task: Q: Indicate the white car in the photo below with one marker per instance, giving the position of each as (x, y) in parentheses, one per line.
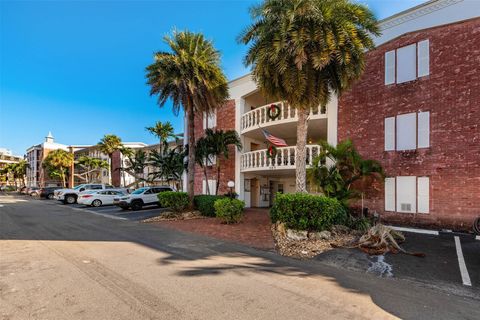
(69, 196)
(141, 197)
(97, 198)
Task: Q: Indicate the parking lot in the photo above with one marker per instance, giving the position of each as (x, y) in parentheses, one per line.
(115, 212)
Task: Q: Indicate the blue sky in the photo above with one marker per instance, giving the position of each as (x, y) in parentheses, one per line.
(76, 68)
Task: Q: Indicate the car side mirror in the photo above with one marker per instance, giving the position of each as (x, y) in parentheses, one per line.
(82, 189)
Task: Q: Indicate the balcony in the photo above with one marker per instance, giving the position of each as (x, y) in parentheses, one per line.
(258, 117)
(284, 159)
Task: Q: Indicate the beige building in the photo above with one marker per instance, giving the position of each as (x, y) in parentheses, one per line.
(6, 158)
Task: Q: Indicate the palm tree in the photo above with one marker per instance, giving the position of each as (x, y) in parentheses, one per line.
(170, 165)
(190, 77)
(20, 170)
(341, 172)
(90, 165)
(203, 157)
(219, 142)
(305, 51)
(136, 162)
(162, 131)
(109, 144)
(58, 162)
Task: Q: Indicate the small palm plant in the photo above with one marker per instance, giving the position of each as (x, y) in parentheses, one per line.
(163, 131)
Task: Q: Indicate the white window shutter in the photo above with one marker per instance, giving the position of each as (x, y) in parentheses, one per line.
(406, 132)
(205, 121)
(212, 120)
(424, 129)
(389, 67)
(212, 185)
(407, 194)
(389, 194)
(407, 63)
(204, 187)
(423, 50)
(423, 194)
(389, 133)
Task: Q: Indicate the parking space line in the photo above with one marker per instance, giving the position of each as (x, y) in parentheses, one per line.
(414, 230)
(461, 263)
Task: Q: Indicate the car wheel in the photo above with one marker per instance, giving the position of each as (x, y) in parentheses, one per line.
(96, 203)
(124, 208)
(50, 196)
(136, 205)
(70, 199)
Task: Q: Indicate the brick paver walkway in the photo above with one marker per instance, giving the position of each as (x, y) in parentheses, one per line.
(253, 230)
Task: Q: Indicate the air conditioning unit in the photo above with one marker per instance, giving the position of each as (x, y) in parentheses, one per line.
(406, 207)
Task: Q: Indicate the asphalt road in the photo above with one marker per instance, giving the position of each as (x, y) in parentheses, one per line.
(60, 263)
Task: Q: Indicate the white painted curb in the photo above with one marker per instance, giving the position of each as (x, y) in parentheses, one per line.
(414, 230)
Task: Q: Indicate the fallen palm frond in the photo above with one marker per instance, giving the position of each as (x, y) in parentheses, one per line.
(381, 239)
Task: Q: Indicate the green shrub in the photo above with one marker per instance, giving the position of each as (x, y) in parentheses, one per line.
(361, 223)
(177, 201)
(229, 210)
(204, 204)
(304, 211)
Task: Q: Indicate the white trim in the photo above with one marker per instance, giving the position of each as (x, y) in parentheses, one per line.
(461, 263)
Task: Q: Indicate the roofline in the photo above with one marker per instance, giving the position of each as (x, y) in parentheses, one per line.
(401, 13)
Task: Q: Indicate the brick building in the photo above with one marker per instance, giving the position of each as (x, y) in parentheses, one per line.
(416, 109)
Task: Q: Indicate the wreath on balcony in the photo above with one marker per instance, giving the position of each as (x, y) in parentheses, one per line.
(271, 152)
(273, 112)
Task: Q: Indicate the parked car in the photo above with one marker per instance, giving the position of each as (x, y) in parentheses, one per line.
(69, 196)
(46, 192)
(141, 197)
(97, 198)
(23, 190)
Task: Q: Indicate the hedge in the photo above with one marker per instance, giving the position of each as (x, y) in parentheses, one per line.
(177, 201)
(304, 211)
(229, 210)
(204, 204)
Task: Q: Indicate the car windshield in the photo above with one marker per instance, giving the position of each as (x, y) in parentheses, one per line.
(139, 191)
(79, 186)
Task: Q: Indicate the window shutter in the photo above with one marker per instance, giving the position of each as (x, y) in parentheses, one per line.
(407, 63)
(389, 67)
(424, 129)
(389, 194)
(423, 194)
(212, 120)
(205, 121)
(406, 131)
(389, 133)
(212, 185)
(423, 58)
(204, 187)
(407, 194)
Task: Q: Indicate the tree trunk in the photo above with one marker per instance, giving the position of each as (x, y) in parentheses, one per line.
(191, 155)
(63, 180)
(301, 152)
(218, 176)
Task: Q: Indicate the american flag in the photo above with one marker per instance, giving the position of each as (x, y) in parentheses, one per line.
(277, 142)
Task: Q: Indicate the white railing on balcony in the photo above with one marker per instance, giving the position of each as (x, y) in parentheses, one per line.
(259, 116)
(285, 158)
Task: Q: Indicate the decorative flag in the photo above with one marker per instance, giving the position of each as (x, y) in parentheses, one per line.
(277, 142)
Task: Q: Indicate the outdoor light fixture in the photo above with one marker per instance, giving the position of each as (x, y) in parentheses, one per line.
(231, 185)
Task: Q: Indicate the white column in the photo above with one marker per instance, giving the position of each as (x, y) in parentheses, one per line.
(332, 121)
(239, 179)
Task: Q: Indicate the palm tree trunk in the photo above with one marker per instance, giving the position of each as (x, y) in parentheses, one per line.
(207, 188)
(301, 152)
(218, 176)
(191, 155)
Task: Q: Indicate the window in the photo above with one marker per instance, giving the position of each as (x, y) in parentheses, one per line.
(408, 194)
(212, 184)
(96, 187)
(408, 131)
(407, 63)
(209, 120)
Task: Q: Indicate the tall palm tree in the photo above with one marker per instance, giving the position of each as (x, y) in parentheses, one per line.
(109, 144)
(189, 76)
(219, 143)
(58, 162)
(305, 51)
(163, 131)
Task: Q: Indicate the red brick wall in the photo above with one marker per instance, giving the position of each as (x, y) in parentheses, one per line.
(116, 165)
(452, 95)
(225, 121)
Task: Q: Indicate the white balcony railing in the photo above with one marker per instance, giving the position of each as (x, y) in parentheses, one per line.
(259, 116)
(285, 159)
